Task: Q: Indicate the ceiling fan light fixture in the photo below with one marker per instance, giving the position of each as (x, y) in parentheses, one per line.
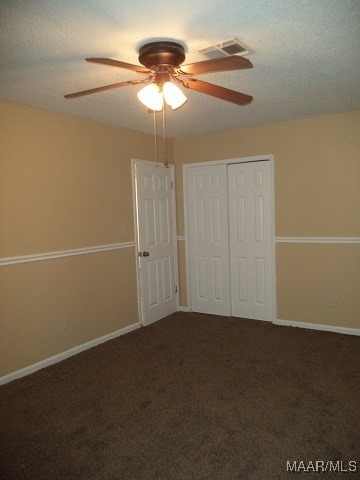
(151, 96)
(173, 95)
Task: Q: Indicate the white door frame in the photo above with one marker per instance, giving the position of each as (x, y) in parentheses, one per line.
(134, 162)
(258, 158)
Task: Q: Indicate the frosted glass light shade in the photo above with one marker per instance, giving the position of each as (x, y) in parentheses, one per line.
(173, 95)
(151, 96)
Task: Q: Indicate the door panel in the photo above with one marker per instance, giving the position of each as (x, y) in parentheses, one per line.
(208, 239)
(241, 279)
(154, 197)
(250, 240)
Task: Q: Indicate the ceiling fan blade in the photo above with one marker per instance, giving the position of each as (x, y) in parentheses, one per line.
(233, 62)
(106, 87)
(118, 63)
(217, 91)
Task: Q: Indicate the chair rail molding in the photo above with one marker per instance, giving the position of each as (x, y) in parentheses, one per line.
(317, 239)
(37, 257)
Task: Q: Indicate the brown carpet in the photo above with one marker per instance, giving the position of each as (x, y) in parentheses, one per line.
(190, 397)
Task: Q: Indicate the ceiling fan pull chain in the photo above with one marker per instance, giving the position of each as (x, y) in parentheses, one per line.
(164, 135)
(155, 138)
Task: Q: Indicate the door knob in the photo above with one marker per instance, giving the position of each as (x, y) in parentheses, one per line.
(144, 254)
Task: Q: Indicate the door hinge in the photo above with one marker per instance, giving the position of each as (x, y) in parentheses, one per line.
(172, 185)
(176, 289)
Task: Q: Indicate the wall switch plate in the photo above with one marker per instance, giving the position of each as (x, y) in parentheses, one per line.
(63, 323)
(333, 302)
(122, 231)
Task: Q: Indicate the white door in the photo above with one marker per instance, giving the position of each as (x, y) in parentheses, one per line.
(208, 239)
(156, 241)
(250, 240)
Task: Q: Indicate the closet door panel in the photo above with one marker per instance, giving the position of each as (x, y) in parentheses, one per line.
(250, 240)
(208, 239)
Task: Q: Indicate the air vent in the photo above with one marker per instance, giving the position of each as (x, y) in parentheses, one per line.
(225, 48)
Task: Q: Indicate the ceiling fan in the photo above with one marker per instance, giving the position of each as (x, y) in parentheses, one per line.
(162, 65)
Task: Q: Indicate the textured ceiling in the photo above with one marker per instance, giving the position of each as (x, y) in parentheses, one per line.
(306, 57)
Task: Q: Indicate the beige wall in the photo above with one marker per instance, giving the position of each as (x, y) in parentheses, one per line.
(65, 183)
(96, 293)
(308, 275)
(317, 194)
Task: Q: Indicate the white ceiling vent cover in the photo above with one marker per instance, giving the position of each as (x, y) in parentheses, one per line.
(225, 48)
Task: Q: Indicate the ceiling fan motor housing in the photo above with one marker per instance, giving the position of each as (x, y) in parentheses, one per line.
(155, 54)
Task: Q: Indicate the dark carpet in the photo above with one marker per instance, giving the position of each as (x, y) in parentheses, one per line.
(192, 396)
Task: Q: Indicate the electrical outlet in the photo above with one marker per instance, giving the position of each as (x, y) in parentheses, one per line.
(333, 302)
(63, 324)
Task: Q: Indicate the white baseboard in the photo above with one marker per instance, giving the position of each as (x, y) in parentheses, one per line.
(68, 353)
(97, 341)
(184, 309)
(318, 326)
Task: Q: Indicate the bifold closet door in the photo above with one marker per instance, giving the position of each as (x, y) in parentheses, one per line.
(250, 240)
(207, 202)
